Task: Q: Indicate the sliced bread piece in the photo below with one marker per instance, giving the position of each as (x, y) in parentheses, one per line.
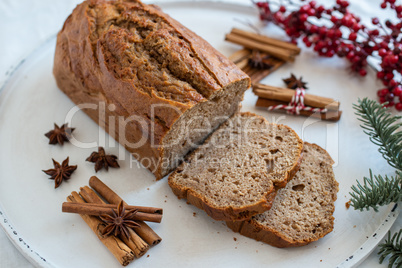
(235, 173)
(302, 211)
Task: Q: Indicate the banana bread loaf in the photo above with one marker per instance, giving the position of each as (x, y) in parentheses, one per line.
(155, 86)
(302, 211)
(236, 172)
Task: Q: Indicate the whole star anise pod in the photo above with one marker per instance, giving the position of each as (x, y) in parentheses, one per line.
(259, 60)
(60, 172)
(120, 222)
(101, 159)
(59, 134)
(292, 82)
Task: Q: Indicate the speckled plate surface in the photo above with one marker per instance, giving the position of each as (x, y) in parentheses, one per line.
(30, 207)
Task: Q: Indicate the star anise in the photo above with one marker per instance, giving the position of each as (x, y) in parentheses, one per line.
(292, 82)
(59, 134)
(60, 172)
(101, 159)
(259, 60)
(120, 222)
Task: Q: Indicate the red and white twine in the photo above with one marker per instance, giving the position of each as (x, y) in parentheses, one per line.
(297, 104)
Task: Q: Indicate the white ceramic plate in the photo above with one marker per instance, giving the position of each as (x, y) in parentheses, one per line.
(30, 207)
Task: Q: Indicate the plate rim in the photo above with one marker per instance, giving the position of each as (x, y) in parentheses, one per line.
(36, 259)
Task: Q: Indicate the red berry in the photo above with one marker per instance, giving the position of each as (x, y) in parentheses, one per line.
(304, 9)
(390, 97)
(356, 59)
(393, 59)
(356, 27)
(383, 5)
(382, 52)
(331, 34)
(352, 36)
(313, 28)
(329, 54)
(303, 17)
(322, 31)
(397, 91)
(392, 83)
(384, 44)
(363, 72)
(338, 34)
(350, 55)
(375, 21)
(389, 76)
(391, 1)
(311, 12)
(398, 9)
(398, 106)
(382, 99)
(382, 92)
(282, 9)
(313, 4)
(380, 75)
(320, 9)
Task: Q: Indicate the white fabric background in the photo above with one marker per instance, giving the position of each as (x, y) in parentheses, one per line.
(25, 24)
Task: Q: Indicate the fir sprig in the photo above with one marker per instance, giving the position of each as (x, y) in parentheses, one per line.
(382, 128)
(376, 191)
(385, 131)
(392, 247)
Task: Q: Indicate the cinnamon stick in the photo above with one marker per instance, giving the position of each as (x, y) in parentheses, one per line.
(267, 40)
(147, 210)
(285, 95)
(102, 209)
(145, 232)
(135, 242)
(277, 52)
(330, 115)
(119, 250)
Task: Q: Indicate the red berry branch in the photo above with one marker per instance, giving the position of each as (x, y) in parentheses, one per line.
(337, 31)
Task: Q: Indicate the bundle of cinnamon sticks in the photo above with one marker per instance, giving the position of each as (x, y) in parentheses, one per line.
(274, 52)
(270, 96)
(90, 204)
(279, 49)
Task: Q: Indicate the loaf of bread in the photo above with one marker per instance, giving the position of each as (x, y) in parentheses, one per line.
(155, 86)
(235, 173)
(302, 211)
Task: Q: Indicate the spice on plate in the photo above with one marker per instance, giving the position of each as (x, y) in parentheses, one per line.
(119, 222)
(293, 82)
(59, 135)
(102, 160)
(60, 172)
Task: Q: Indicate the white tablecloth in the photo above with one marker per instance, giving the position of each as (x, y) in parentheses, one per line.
(25, 24)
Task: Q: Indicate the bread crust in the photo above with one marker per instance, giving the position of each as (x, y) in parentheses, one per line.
(84, 72)
(230, 213)
(223, 213)
(253, 229)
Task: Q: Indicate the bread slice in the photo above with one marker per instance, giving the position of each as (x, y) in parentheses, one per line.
(151, 83)
(235, 173)
(302, 211)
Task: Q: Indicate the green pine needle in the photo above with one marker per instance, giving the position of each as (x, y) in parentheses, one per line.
(376, 191)
(392, 247)
(383, 129)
